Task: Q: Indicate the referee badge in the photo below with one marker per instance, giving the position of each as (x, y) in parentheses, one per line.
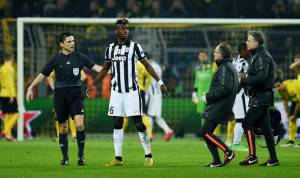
(76, 71)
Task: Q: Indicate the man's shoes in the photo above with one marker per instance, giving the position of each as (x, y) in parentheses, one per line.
(168, 135)
(250, 160)
(288, 144)
(215, 164)
(239, 147)
(81, 161)
(114, 162)
(229, 157)
(270, 163)
(64, 162)
(148, 162)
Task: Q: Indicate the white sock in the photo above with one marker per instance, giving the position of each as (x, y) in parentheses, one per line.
(150, 121)
(238, 133)
(118, 141)
(145, 142)
(162, 124)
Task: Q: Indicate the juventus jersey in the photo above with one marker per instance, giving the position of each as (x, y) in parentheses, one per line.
(123, 58)
(240, 64)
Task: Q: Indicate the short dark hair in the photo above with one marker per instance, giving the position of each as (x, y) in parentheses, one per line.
(7, 56)
(122, 21)
(242, 46)
(225, 50)
(63, 36)
(258, 36)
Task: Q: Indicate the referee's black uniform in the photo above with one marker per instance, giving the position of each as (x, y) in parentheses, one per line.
(260, 82)
(68, 97)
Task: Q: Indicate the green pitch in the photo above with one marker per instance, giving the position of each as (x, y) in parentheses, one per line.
(175, 159)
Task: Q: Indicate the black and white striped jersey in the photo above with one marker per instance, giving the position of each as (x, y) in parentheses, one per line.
(240, 64)
(123, 58)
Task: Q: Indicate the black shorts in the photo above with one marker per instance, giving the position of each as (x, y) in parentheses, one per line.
(68, 101)
(7, 107)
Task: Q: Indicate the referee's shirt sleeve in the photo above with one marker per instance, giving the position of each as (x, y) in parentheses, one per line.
(86, 61)
(48, 68)
(139, 52)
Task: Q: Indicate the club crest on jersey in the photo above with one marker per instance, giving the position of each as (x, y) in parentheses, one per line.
(76, 71)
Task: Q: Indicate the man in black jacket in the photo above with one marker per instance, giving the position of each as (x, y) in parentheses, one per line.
(220, 100)
(260, 82)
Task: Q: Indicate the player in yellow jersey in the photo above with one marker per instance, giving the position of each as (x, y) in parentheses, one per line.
(71, 121)
(290, 90)
(8, 96)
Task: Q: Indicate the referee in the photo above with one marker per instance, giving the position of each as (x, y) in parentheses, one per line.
(260, 83)
(68, 97)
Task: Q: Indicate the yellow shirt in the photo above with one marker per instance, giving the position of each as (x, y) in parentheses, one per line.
(7, 81)
(144, 78)
(214, 68)
(292, 89)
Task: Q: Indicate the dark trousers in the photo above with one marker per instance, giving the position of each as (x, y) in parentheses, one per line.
(255, 116)
(213, 142)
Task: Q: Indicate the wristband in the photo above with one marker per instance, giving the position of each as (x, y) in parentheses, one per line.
(160, 82)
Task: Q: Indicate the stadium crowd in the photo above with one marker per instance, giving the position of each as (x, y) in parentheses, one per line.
(151, 8)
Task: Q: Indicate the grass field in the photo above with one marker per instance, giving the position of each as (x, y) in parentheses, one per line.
(179, 158)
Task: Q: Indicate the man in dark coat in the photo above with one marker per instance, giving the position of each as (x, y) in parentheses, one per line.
(220, 99)
(260, 84)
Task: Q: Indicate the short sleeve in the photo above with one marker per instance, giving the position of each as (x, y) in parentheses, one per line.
(106, 55)
(48, 68)
(140, 54)
(86, 61)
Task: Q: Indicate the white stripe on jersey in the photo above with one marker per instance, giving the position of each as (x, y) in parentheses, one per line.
(123, 58)
(240, 64)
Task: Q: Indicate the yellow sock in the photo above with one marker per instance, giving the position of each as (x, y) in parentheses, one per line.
(148, 126)
(72, 127)
(12, 120)
(230, 129)
(57, 128)
(292, 130)
(6, 124)
(217, 130)
(125, 124)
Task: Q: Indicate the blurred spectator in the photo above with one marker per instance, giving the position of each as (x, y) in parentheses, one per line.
(61, 8)
(110, 9)
(295, 9)
(49, 9)
(177, 10)
(278, 10)
(94, 9)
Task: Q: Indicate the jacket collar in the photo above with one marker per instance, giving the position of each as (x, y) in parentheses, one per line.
(222, 61)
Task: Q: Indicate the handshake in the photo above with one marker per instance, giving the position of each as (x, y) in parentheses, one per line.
(196, 99)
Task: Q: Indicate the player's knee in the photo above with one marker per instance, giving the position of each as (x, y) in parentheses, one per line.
(63, 128)
(140, 127)
(245, 125)
(79, 126)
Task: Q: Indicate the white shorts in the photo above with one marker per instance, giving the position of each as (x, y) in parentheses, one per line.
(154, 105)
(240, 106)
(125, 104)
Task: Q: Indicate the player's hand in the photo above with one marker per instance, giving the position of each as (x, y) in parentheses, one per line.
(164, 89)
(292, 118)
(89, 90)
(195, 98)
(203, 99)
(29, 94)
(242, 75)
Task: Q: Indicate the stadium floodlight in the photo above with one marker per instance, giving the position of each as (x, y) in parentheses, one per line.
(167, 37)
